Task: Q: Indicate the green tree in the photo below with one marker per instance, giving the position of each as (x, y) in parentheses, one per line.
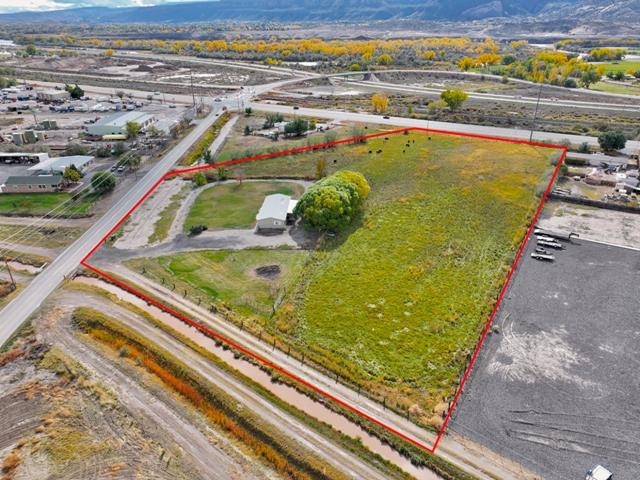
(333, 202)
(76, 92)
(248, 111)
(247, 130)
(118, 148)
(614, 140)
(207, 157)
(75, 149)
(134, 160)
(133, 129)
(71, 174)
(271, 119)
(30, 50)
(454, 98)
(200, 179)
(589, 77)
(296, 128)
(357, 179)
(103, 182)
(222, 174)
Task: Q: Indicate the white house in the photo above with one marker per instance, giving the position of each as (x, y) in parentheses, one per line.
(275, 212)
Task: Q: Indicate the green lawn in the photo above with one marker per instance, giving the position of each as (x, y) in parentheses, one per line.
(227, 276)
(39, 204)
(167, 216)
(235, 205)
(630, 66)
(627, 89)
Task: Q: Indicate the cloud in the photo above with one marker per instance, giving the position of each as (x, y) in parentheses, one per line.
(9, 6)
(36, 5)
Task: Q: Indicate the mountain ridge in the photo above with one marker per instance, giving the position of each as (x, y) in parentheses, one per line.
(339, 10)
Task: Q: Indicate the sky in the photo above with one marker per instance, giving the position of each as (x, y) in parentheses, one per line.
(9, 6)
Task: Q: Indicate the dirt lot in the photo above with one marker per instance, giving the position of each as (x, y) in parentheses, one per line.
(595, 224)
(557, 387)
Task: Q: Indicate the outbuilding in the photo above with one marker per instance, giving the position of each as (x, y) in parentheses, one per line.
(275, 213)
(52, 95)
(33, 184)
(58, 164)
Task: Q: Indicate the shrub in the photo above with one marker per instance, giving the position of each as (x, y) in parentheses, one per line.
(197, 230)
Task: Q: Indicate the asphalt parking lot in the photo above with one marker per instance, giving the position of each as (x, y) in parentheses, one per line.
(557, 387)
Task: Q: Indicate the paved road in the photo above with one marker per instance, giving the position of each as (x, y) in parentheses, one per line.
(631, 147)
(495, 97)
(21, 308)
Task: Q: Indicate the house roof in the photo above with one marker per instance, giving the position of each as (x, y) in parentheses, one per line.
(274, 206)
(60, 163)
(34, 180)
(119, 120)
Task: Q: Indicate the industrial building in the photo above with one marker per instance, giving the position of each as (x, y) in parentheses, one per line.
(58, 164)
(116, 124)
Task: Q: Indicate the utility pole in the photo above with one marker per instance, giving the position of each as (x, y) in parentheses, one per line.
(193, 95)
(13, 282)
(535, 115)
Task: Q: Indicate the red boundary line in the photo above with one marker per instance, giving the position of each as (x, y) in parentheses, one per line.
(268, 363)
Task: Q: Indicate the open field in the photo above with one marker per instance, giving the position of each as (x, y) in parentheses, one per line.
(626, 88)
(623, 66)
(397, 303)
(39, 204)
(235, 205)
(47, 236)
(261, 440)
(228, 276)
(239, 145)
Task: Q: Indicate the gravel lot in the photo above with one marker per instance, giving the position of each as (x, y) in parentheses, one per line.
(557, 388)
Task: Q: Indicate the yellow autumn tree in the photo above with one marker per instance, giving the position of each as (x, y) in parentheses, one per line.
(465, 63)
(380, 102)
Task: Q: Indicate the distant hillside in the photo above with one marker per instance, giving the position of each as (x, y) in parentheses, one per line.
(342, 10)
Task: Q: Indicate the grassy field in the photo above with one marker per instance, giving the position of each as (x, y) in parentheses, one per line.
(234, 205)
(227, 276)
(627, 89)
(398, 302)
(39, 204)
(238, 145)
(622, 66)
(167, 216)
(48, 237)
